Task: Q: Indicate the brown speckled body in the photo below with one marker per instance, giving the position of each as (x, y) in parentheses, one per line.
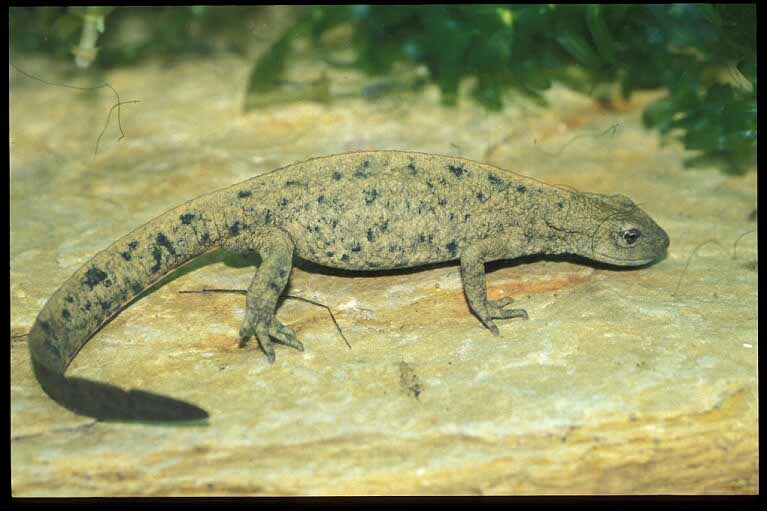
(355, 211)
(381, 210)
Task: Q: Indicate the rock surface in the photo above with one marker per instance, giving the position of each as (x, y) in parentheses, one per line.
(634, 381)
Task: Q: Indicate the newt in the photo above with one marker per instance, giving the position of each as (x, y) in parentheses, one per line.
(355, 211)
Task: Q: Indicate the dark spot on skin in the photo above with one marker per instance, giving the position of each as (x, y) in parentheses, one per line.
(356, 247)
(344, 257)
(521, 189)
(187, 219)
(69, 299)
(157, 254)
(268, 217)
(337, 176)
(133, 245)
(371, 237)
(481, 197)
(320, 199)
(495, 180)
(164, 242)
(452, 247)
(234, 229)
(126, 256)
(370, 196)
(361, 172)
(330, 254)
(65, 314)
(50, 343)
(242, 194)
(457, 170)
(94, 277)
(442, 201)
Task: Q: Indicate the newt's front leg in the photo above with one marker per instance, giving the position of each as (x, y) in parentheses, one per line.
(474, 285)
(276, 250)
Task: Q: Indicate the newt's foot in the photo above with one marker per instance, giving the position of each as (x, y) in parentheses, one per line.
(496, 309)
(264, 331)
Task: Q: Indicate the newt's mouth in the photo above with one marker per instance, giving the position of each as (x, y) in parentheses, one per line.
(630, 262)
(660, 254)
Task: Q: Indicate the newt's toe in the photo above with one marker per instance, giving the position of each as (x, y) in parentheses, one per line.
(284, 335)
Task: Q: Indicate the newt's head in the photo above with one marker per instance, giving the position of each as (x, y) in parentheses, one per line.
(621, 233)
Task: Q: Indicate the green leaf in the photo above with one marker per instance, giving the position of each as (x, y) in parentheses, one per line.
(580, 49)
(598, 28)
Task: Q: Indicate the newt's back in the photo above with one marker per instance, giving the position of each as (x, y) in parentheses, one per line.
(387, 209)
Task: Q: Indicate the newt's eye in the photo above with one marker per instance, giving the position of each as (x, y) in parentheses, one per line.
(631, 236)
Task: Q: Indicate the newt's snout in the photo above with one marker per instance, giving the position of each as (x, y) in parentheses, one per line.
(666, 240)
(656, 244)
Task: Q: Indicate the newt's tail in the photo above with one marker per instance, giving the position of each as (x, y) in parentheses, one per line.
(98, 291)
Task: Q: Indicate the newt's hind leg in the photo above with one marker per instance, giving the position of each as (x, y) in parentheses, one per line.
(276, 250)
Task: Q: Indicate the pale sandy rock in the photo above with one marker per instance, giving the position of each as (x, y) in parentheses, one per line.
(632, 381)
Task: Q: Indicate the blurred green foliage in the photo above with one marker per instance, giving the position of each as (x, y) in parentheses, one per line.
(681, 47)
(131, 33)
(704, 54)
